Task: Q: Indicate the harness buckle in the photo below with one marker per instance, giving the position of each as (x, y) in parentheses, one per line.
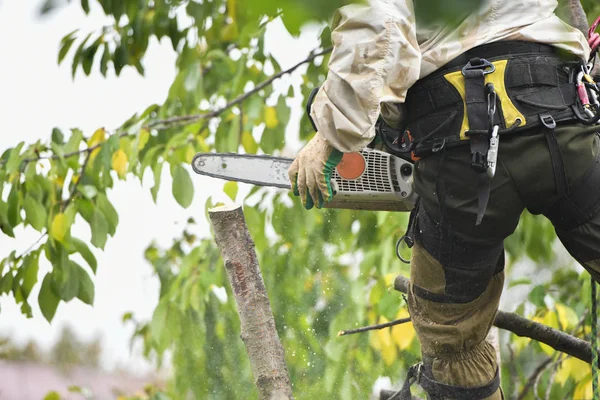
(438, 144)
(548, 121)
(479, 63)
(479, 161)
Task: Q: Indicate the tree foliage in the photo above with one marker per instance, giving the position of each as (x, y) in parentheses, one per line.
(325, 270)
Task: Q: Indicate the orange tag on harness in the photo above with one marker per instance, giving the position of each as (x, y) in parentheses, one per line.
(352, 166)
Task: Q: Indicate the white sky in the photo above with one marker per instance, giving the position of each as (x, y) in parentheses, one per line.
(36, 95)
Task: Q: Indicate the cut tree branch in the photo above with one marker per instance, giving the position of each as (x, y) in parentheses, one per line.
(520, 326)
(257, 323)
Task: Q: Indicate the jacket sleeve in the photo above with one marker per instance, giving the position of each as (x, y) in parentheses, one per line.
(375, 59)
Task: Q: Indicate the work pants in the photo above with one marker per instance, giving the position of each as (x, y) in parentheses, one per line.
(457, 269)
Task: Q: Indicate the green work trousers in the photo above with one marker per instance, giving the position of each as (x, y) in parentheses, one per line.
(457, 269)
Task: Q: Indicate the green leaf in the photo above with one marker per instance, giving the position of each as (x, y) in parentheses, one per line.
(121, 57)
(537, 296)
(86, 286)
(86, 209)
(78, 55)
(14, 207)
(89, 54)
(521, 281)
(157, 172)
(65, 46)
(106, 57)
(82, 248)
(249, 144)
(65, 280)
(88, 191)
(5, 226)
(111, 215)
(85, 5)
(99, 227)
(30, 270)
(165, 321)
(74, 141)
(57, 136)
(35, 213)
(128, 316)
(15, 159)
(53, 395)
(231, 190)
(59, 227)
(47, 299)
(6, 283)
(227, 137)
(183, 188)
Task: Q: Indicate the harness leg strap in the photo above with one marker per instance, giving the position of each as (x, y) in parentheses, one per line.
(419, 374)
(558, 165)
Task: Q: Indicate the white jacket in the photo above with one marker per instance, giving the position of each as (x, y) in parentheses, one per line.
(380, 52)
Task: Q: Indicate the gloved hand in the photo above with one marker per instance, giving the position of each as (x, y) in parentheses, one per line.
(310, 173)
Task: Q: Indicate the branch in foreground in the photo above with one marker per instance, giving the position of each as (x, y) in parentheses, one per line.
(520, 326)
(257, 322)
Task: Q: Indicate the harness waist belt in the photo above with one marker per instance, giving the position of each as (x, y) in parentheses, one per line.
(530, 80)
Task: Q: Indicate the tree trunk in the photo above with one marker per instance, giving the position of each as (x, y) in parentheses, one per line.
(257, 323)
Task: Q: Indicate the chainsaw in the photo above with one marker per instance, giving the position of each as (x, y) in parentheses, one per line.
(367, 180)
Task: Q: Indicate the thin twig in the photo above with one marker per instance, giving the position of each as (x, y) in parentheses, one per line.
(240, 99)
(76, 184)
(533, 378)
(539, 377)
(30, 248)
(374, 327)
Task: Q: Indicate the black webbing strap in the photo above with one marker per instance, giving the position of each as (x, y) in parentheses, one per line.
(558, 165)
(477, 107)
(419, 374)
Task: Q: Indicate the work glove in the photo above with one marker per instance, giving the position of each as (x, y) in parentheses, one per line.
(310, 173)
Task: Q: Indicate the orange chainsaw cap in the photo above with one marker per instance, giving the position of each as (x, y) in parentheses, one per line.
(352, 166)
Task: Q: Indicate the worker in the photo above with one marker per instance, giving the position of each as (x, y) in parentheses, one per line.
(497, 116)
